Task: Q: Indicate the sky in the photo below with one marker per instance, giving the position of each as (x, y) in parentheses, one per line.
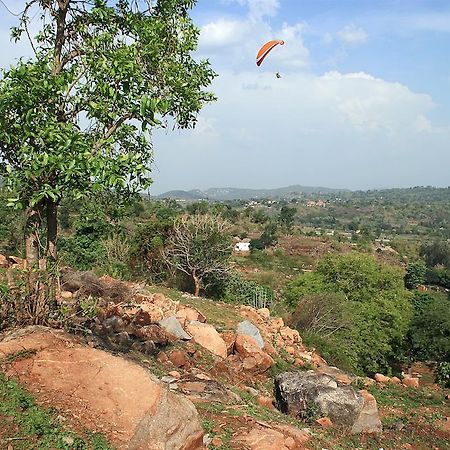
(363, 101)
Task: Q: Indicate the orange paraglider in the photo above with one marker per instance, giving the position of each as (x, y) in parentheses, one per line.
(265, 50)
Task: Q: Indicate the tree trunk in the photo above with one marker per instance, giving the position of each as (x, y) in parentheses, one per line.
(196, 283)
(51, 251)
(32, 227)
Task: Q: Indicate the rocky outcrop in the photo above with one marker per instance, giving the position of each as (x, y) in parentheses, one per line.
(299, 393)
(105, 393)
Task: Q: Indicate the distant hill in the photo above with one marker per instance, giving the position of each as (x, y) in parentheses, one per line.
(247, 194)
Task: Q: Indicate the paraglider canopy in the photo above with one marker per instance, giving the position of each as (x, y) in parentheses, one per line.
(265, 50)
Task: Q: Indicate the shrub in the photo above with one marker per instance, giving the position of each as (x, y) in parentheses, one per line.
(247, 292)
(443, 374)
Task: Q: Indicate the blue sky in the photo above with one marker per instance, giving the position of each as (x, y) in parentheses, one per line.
(363, 101)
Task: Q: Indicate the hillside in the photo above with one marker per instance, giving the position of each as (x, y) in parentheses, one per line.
(219, 371)
(229, 193)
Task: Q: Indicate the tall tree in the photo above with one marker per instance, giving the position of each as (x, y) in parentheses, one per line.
(76, 118)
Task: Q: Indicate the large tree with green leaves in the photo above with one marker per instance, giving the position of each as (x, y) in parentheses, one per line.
(76, 118)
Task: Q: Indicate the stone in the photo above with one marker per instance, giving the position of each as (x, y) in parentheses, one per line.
(411, 382)
(369, 419)
(324, 422)
(395, 380)
(175, 374)
(265, 401)
(66, 295)
(290, 335)
(296, 392)
(172, 326)
(248, 329)
(380, 378)
(208, 337)
(188, 314)
(254, 359)
(216, 442)
(205, 390)
(153, 333)
(162, 357)
(289, 349)
(148, 314)
(105, 393)
(264, 313)
(276, 324)
(269, 438)
(3, 261)
(178, 358)
(229, 338)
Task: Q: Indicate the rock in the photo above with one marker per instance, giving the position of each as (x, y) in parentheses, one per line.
(175, 374)
(153, 333)
(268, 438)
(295, 392)
(162, 357)
(147, 314)
(324, 422)
(248, 329)
(369, 419)
(264, 313)
(276, 324)
(380, 378)
(290, 335)
(105, 393)
(178, 358)
(395, 380)
(254, 359)
(3, 261)
(411, 382)
(229, 338)
(265, 401)
(208, 337)
(187, 313)
(337, 374)
(66, 295)
(205, 390)
(289, 349)
(172, 326)
(216, 442)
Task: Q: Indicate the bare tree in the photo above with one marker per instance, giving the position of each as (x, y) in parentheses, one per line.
(199, 246)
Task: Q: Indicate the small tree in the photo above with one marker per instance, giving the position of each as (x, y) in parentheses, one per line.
(200, 246)
(415, 274)
(286, 217)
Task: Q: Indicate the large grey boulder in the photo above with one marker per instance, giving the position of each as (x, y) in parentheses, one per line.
(248, 329)
(298, 393)
(172, 326)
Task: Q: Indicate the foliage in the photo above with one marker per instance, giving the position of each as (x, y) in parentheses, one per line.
(75, 119)
(437, 253)
(267, 239)
(248, 292)
(443, 374)
(148, 245)
(199, 247)
(438, 276)
(415, 274)
(430, 329)
(375, 314)
(287, 216)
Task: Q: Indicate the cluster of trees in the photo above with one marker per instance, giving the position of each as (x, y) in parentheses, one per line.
(355, 309)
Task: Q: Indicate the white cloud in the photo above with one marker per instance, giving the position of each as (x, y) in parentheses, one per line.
(257, 9)
(223, 33)
(344, 130)
(353, 35)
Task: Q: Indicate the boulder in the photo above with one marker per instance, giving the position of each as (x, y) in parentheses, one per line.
(230, 338)
(254, 359)
(289, 335)
(296, 392)
(172, 326)
(248, 329)
(380, 378)
(153, 333)
(102, 392)
(147, 314)
(411, 382)
(178, 358)
(3, 261)
(187, 313)
(208, 337)
(369, 419)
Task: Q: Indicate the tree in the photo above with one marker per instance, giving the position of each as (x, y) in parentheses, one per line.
(415, 274)
(200, 247)
(76, 118)
(436, 253)
(286, 216)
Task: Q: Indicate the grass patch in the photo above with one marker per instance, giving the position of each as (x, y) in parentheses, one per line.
(26, 426)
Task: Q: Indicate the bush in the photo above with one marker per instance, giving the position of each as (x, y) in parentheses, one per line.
(247, 292)
(415, 274)
(370, 304)
(443, 374)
